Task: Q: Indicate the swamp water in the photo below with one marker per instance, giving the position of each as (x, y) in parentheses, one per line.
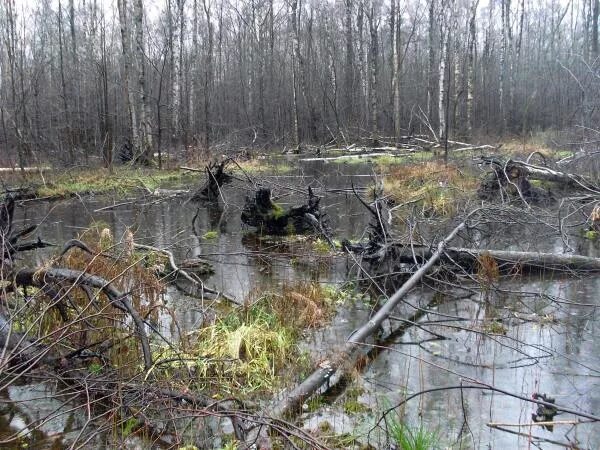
(537, 335)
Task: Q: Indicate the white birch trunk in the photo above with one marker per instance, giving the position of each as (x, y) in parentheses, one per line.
(444, 41)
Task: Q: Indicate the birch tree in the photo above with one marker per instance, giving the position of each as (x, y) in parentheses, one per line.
(471, 65)
(145, 132)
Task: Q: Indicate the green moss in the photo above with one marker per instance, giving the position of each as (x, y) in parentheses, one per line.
(561, 154)
(95, 368)
(592, 235)
(354, 407)
(210, 235)
(277, 211)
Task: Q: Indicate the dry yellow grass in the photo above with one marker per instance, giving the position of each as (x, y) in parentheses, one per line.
(433, 185)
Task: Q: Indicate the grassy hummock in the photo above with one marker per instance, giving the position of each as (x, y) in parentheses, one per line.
(56, 184)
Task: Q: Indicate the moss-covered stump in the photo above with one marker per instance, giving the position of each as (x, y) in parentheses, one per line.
(261, 212)
(511, 181)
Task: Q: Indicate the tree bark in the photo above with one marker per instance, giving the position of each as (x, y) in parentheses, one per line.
(395, 28)
(127, 58)
(145, 131)
(595, 13)
(471, 66)
(373, 55)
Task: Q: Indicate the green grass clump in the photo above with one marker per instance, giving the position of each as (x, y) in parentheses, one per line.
(210, 235)
(411, 438)
(246, 348)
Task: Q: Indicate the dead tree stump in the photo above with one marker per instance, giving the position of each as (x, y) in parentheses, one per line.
(270, 218)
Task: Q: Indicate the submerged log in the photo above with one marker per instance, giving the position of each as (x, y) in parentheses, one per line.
(270, 218)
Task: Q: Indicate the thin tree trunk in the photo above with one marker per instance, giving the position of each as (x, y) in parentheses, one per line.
(373, 54)
(145, 128)
(349, 69)
(127, 58)
(395, 25)
(208, 77)
(595, 13)
(471, 67)
(431, 62)
(63, 83)
(176, 74)
(295, 69)
(444, 44)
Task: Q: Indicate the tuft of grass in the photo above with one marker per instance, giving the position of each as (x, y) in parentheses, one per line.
(245, 349)
(321, 246)
(437, 188)
(249, 349)
(411, 438)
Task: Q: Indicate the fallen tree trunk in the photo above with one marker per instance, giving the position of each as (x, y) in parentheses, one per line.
(468, 258)
(345, 359)
(513, 178)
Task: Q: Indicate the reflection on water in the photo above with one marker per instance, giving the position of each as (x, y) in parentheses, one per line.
(550, 345)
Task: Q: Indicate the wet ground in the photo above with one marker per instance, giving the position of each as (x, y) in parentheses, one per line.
(538, 334)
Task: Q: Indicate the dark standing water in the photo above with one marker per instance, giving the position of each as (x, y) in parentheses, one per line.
(550, 345)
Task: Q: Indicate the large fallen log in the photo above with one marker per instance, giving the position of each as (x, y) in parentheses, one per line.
(469, 258)
(513, 177)
(345, 359)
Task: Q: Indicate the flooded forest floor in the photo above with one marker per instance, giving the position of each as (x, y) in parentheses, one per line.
(340, 298)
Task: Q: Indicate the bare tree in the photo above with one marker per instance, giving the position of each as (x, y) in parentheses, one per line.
(127, 72)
